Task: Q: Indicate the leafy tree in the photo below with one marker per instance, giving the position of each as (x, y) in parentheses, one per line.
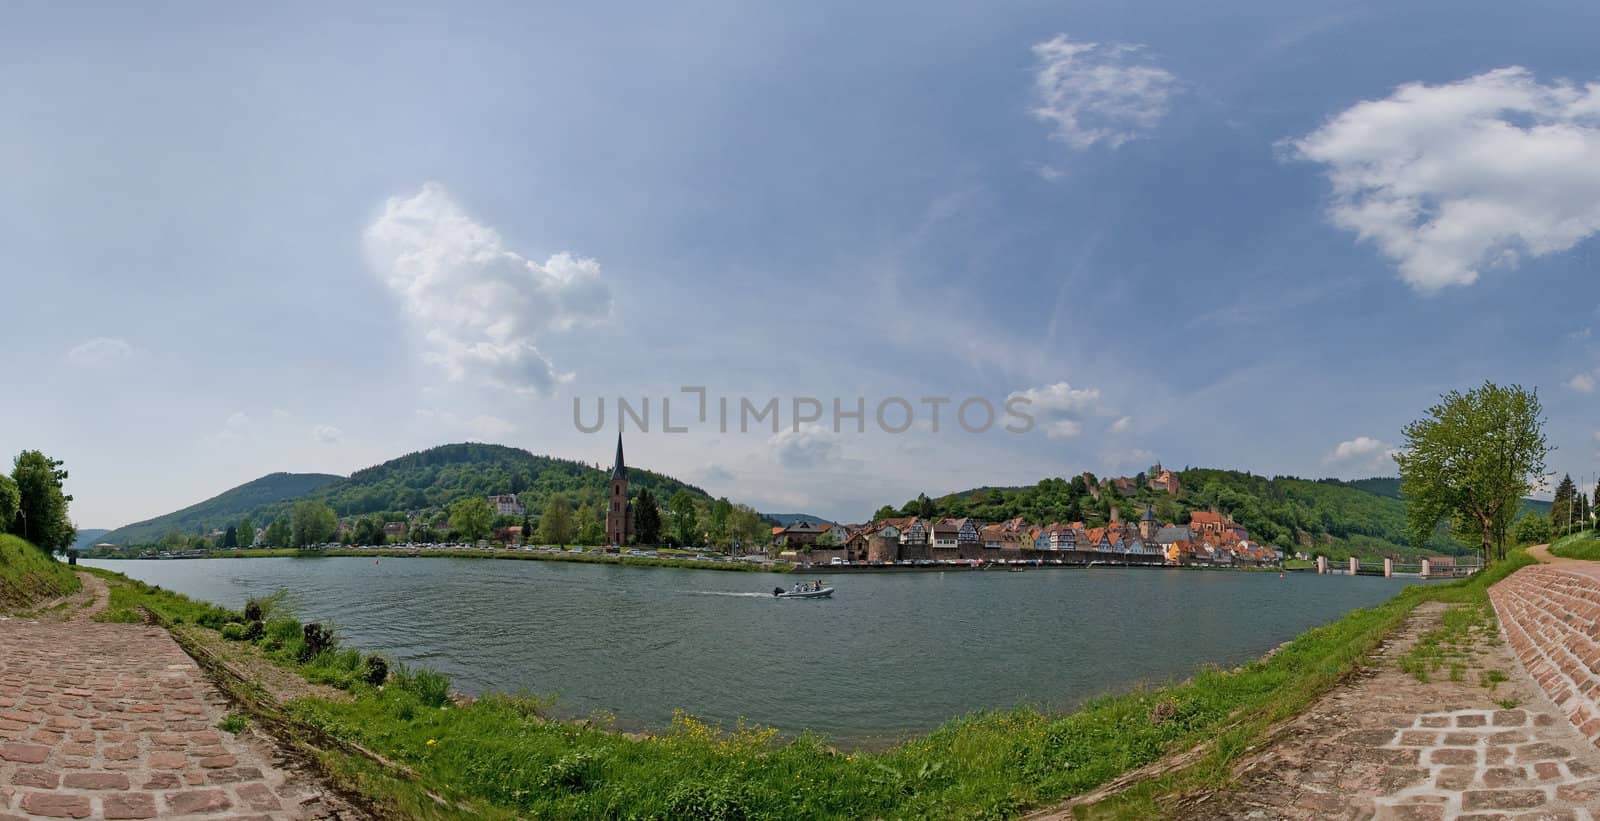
(555, 525)
(646, 518)
(247, 532)
(720, 520)
(685, 518)
(311, 523)
(1532, 528)
(421, 533)
(922, 507)
(472, 517)
(10, 501)
(888, 512)
(42, 507)
(1471, 456)
(230, 537)
(368, 530)
(278, 534)
(591, 530)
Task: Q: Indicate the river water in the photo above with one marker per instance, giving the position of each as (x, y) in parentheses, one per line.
(890, 655)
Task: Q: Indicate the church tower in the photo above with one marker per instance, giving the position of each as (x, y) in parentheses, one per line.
(617, 518)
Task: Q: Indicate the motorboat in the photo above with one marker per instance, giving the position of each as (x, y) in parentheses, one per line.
(803, 592)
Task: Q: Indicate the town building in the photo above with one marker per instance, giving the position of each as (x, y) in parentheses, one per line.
(506, 504)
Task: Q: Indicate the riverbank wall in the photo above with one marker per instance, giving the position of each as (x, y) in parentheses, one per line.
(1551, 617)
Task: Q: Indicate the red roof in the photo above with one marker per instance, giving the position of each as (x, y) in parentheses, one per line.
(1205, 517)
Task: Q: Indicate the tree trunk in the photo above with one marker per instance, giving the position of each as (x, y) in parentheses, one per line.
(1487, 528)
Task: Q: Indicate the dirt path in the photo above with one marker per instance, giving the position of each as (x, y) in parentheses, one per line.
(115, 721)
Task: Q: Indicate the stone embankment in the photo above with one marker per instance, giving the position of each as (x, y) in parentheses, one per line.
(1551, 616)
(115, 721)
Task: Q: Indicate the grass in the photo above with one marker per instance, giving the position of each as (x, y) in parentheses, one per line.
(1581, 545)
(234, 723)
(502, 756)
(1450, 644)
(30, 576)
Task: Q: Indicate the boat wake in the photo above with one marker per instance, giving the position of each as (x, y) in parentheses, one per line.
(726, 593)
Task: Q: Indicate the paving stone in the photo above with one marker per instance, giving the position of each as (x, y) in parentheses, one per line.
(96, 781)
(197, 801)
(130, 805)
(56, 805)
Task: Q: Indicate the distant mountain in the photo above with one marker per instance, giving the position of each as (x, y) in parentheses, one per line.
(426, 480)
(224, 509)
(786, 519)
(88, 537)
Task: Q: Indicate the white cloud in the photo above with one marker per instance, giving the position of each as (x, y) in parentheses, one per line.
(1582, 383)
(235, 428)
(812, 445)
(483, 425)
(1451, 179)
(716, 473)
(480, 307)
(1122, 425)
(1060, 409)
(1362, 454)
(1098, 92)
(99, 351)
(327, 434)
(1119, 458)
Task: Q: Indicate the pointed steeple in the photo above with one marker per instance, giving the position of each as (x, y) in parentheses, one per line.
(619, 470)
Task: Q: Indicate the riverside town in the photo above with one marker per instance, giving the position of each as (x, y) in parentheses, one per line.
(800, 412)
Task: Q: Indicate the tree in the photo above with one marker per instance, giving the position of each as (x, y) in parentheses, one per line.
(720, 519)
(1470, 457)
(923, 506)
(42, 507)
(555, 525)
(421, 533)
(885, 512)
(311, 523)
(368, 530)
(646, 518)
(591, 531)
(10, 502)
(247, 532)
(1562, 512)
(472, 517)
(685, 518)
(1532, 528)
(230, 537)
(278, 533)
(747, 528)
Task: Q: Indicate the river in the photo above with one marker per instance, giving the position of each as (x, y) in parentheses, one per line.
(891, 654)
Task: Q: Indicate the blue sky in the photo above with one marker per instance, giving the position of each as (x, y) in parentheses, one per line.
(1251, 235)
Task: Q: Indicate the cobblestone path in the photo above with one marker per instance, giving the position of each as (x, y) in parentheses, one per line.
(116, 721)
(1387, 746)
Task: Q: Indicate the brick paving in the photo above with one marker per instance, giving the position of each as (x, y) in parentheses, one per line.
(1551, 614)
(115, 721)
(1387, 746)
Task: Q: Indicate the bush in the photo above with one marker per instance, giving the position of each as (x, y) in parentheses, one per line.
(316, 641)
(254, 631)
(377, 670)
(282, 634)
(233, 631)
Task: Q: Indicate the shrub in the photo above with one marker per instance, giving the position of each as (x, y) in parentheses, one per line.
(377, 670)
(316, 641)
(254, 630)
(234, 723)
(252, 610)
(233, 631)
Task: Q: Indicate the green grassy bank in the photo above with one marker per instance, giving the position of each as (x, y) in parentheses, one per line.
(587, 558)
(29, 575)
(501, 756)
(1581, 545)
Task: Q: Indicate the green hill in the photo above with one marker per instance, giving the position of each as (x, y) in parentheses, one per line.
(1390, 486)
(426, 480)
(28, 575)
(1336, 518)
(224, 509)
(88, 537)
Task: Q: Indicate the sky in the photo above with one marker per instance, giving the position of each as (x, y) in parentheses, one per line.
(1252, 235)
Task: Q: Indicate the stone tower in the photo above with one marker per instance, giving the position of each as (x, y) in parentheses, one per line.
(618, 523)
(1148, 525)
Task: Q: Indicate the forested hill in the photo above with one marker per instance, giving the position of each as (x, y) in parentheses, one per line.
(1390, 486)
(428, 479)
(222, 509)
(1336, 518)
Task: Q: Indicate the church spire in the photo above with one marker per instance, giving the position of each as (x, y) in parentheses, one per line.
(619, 470)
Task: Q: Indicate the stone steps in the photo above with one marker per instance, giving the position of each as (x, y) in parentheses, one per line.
(1551, 618)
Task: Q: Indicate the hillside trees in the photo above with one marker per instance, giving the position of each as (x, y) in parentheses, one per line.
(10, 501)
(1532, 528)
(247, 532)
(1472, 456)
(555, 524)
(685, 518)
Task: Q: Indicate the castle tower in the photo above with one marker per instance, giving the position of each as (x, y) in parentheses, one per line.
(1147, 524)
(618, 522)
